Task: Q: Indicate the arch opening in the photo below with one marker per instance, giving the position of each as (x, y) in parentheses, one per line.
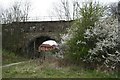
(32, 47)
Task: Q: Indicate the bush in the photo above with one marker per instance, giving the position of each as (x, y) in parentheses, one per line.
(78, 46)
(106, 51)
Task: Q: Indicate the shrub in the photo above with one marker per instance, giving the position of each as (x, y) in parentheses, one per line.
(106, 51)
(78, 45)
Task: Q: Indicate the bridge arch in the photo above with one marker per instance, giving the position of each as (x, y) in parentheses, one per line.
(32, 45)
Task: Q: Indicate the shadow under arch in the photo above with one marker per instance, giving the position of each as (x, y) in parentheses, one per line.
(33, 44)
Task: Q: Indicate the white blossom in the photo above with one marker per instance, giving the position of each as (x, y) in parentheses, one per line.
(106, 31)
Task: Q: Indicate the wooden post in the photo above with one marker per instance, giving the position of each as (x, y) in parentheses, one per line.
(34, 50)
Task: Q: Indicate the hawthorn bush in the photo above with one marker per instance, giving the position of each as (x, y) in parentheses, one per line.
(106, 51)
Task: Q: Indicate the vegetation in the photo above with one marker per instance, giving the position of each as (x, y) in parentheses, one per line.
(19, 11)
(10, 57)
(92, 45)
(51, 70)
(78, 46)
(93, 39)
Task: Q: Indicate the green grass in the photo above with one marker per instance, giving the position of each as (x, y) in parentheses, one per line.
(34, 69)
(10, 57)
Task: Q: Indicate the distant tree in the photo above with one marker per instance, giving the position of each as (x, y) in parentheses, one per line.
(16, 13)
(25, 10)
(0, 15)
(67, 10)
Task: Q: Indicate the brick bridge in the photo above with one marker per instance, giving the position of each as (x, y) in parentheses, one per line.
(25, 37)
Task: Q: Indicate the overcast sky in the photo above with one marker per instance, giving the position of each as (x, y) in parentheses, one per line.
(42, 7)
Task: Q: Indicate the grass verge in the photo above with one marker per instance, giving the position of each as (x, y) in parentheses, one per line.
(33, 69)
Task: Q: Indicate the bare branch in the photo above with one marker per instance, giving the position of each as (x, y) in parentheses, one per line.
(16, 13)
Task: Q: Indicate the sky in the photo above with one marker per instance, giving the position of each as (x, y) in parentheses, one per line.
(42, 8)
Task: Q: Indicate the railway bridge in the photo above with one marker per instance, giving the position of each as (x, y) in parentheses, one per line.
(25, 37)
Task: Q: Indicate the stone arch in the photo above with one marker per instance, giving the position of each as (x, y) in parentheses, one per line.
(32, 45)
